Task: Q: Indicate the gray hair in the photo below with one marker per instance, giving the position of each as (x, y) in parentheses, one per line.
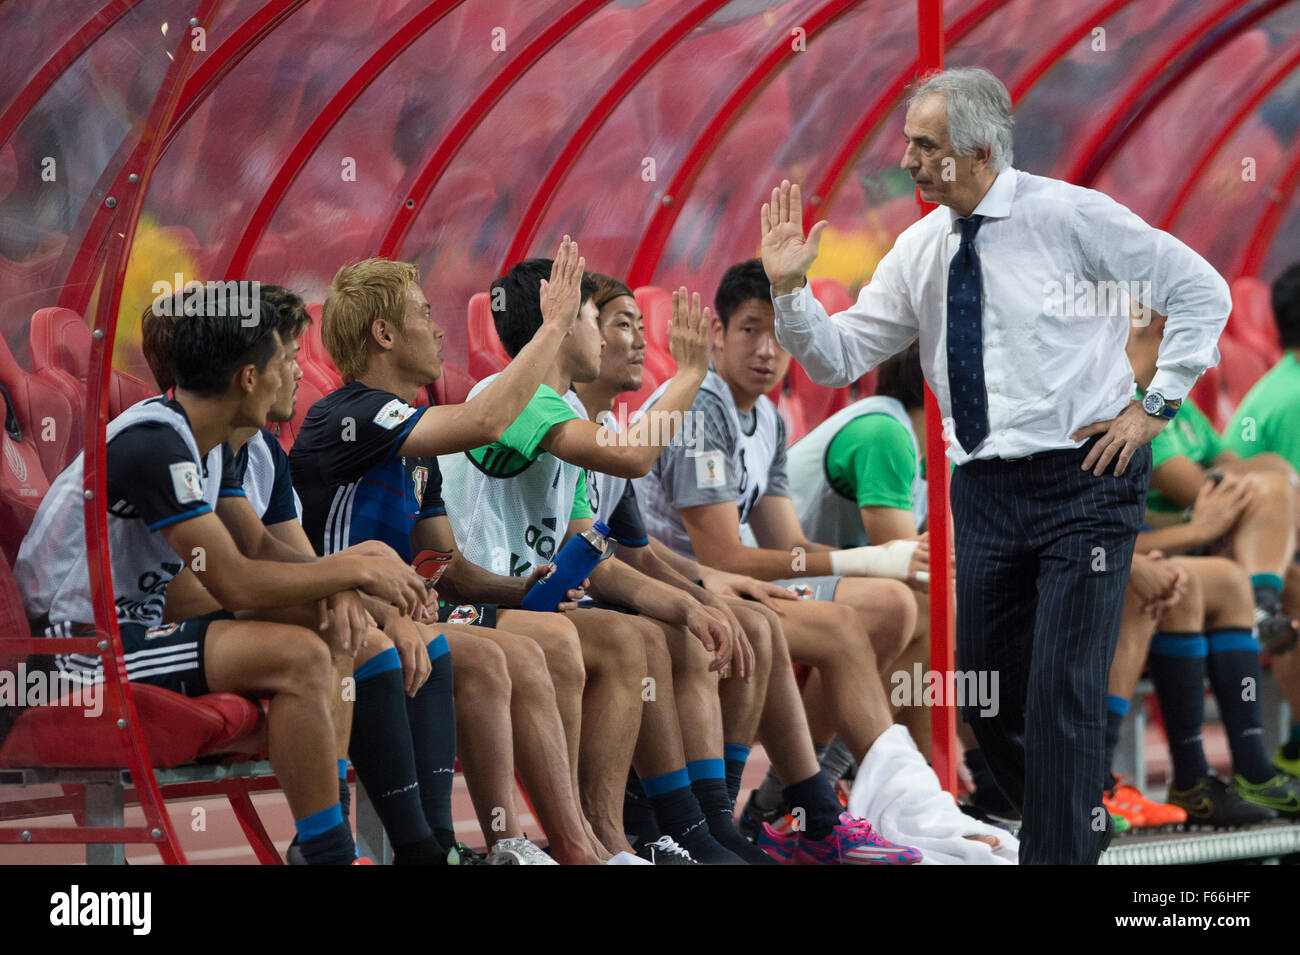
(979, 112)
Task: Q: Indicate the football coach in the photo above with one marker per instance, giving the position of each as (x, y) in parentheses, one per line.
(1003, 286)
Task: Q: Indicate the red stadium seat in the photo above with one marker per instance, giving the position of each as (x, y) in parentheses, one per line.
(1240, 367)
(314, 359)
(487, 356)
(453, 386)
(1209, 397)
(1251, 320)
(34, 441)
(70, 742)
(656, 306)
(833, 296)
(60, 343)
(633, 400)
(287, 431)
(22, 482)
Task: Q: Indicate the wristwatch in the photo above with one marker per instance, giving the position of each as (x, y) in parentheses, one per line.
(1154, 404)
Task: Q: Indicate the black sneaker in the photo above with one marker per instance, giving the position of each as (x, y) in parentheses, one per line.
(1281, 793)
(461, 854)
(1211, 802)
(752, 818)
(1278, 632)
(664, 851)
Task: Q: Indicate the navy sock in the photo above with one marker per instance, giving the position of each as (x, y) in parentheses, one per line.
(1177, 664)
(709, 784)
(1233, 661)
(432, 716)
(735, 756)
(345, 794)
(382, 749)
(680, 816)
(324, 838)
(1116, 710)
(639, 823)
(816, 797)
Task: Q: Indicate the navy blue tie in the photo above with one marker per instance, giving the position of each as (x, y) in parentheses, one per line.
(970, 407)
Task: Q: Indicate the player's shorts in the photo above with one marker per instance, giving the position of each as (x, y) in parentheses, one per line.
(811, 588)
(169, 655)
(471, 615)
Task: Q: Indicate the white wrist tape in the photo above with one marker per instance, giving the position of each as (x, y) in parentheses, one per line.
(884, 560)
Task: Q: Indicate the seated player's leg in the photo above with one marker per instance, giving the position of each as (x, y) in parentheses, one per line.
(742, 703)
(1124, 801)
(1264, 543)
(917, 650)
(614, 656)
(888, 611)
(1232, 661)
(558, 637)
(699, 716)
(484, 742)
(826, 835)
(382, 746)
(660, 757)
(291, 667)
(1286, 670)
(829, 637)
(539, 740)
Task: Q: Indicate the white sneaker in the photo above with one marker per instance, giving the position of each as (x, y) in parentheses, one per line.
(626, 858)
(517, 851)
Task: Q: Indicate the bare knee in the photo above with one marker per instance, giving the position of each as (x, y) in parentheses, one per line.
(529, 673)
(306, 662)
(480, 668)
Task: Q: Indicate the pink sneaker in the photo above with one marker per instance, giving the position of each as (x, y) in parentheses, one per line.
(852, 842)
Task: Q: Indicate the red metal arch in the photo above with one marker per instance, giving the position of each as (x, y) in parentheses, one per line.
(62, 58)
(1290, 61)
(656, 234)
(95, 217)
(818, 198)
(226, 57)
(1156, 82)
(432, 169)
(143, 157)
(1270, 219)
(594, 120)
(325, 120)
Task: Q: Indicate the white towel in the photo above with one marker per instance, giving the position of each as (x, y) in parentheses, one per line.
(899, 794)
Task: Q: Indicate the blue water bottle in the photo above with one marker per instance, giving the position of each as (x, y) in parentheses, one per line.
(569, 569)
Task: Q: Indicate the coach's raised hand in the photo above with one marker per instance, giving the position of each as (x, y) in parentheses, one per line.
(787, 254)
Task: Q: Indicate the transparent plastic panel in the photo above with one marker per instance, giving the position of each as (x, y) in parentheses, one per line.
(462, 233)
(65, 153)
(791, 130)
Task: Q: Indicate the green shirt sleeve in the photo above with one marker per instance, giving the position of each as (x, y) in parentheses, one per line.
(872, 460)
(581, 504)
(540, 415)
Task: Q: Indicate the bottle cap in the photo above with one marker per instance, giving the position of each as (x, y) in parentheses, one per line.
(601, 528)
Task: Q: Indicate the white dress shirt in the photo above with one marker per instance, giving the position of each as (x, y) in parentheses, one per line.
(1051, 255)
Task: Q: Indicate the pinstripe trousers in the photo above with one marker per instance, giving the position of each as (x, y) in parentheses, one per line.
(1043, 556)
